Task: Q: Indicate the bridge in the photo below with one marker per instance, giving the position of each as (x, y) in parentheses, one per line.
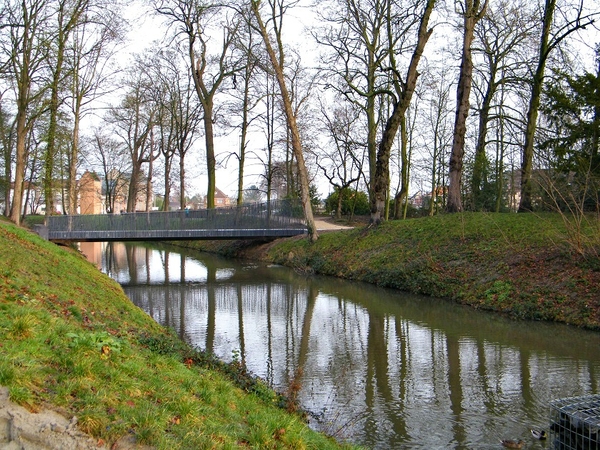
(253, 221)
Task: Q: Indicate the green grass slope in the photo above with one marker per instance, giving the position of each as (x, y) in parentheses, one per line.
(540, 267)
(70, 339)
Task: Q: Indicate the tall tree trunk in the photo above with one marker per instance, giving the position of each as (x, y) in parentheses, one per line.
(48, 180)
(167, 185)
(28, 55)
(182, 203)
(137, 160)
(23, 93)
(244, 128)
(211, 162)
(500, 153)
(499, 164)
(242, 158)
(437, 148)
(479, 179)
(525, 203)
(278, 66)
(133, 186)
(289, 167)
(241, 164)
(7, 149)
(401, 195)
(270, 137)
(382, 172)
(29, 181)
(596, 121)
(21, 162)
(68, 19)
(371, 143)
(471, 15)
(73, 159)
(149, 182)
(338, 211)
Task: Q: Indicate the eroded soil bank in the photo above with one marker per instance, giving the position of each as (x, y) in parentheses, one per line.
(21, 429)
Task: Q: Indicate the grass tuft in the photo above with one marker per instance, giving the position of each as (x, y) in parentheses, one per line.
(22, 326)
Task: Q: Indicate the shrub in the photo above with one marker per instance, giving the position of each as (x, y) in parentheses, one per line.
(353, 202)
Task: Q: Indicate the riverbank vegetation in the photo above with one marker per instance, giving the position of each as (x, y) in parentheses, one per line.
(70, 338)
(529, 266)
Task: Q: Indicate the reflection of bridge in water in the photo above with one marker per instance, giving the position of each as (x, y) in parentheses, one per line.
(276, 219)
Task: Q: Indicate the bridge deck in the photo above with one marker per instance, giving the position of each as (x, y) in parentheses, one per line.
(172, 235)
(257, 221)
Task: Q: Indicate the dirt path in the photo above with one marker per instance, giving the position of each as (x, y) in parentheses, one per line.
(327, 225)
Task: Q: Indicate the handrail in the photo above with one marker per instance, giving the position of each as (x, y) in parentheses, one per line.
(250, 218)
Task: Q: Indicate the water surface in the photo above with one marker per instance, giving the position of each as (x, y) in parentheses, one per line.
(377, 367)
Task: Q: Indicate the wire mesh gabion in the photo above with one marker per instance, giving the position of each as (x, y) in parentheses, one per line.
(575, 423)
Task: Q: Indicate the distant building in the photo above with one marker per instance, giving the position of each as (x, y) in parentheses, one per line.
(98, 195)
(221, 200)
(91, 200)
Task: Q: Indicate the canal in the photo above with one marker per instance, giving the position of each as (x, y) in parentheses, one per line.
(375, 367)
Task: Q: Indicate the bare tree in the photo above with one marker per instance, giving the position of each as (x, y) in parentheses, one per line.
(368, 41)
(500, 41)
(403, 89)
(277, 9)
(109, 158)
(92, 46)
(472, 11)
(68, 15)
(25, 50)
(438, 118)
(133, 121)
(32, 200)
(355, 37)
(573, 18)
(192, 20)
(165, 139)
(7, 138)
(406, 144)
(269, 126)
(249, 99)
(342, 166)
(178, 116)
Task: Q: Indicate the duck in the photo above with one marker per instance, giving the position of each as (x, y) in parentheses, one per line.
(539, 434)
(511, 443)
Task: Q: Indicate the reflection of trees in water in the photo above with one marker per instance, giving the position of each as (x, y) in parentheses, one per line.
(119, 258)
(182, 299)
(131, 263)
(211, 316)
(269, 369)
(455, 387)
(241, 338)
(396, 370)
(109, 260)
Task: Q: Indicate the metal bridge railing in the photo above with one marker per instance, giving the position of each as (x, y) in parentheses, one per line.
(280, 214)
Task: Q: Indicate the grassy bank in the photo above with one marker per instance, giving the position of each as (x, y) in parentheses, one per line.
(71, 339)
(538, 267)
